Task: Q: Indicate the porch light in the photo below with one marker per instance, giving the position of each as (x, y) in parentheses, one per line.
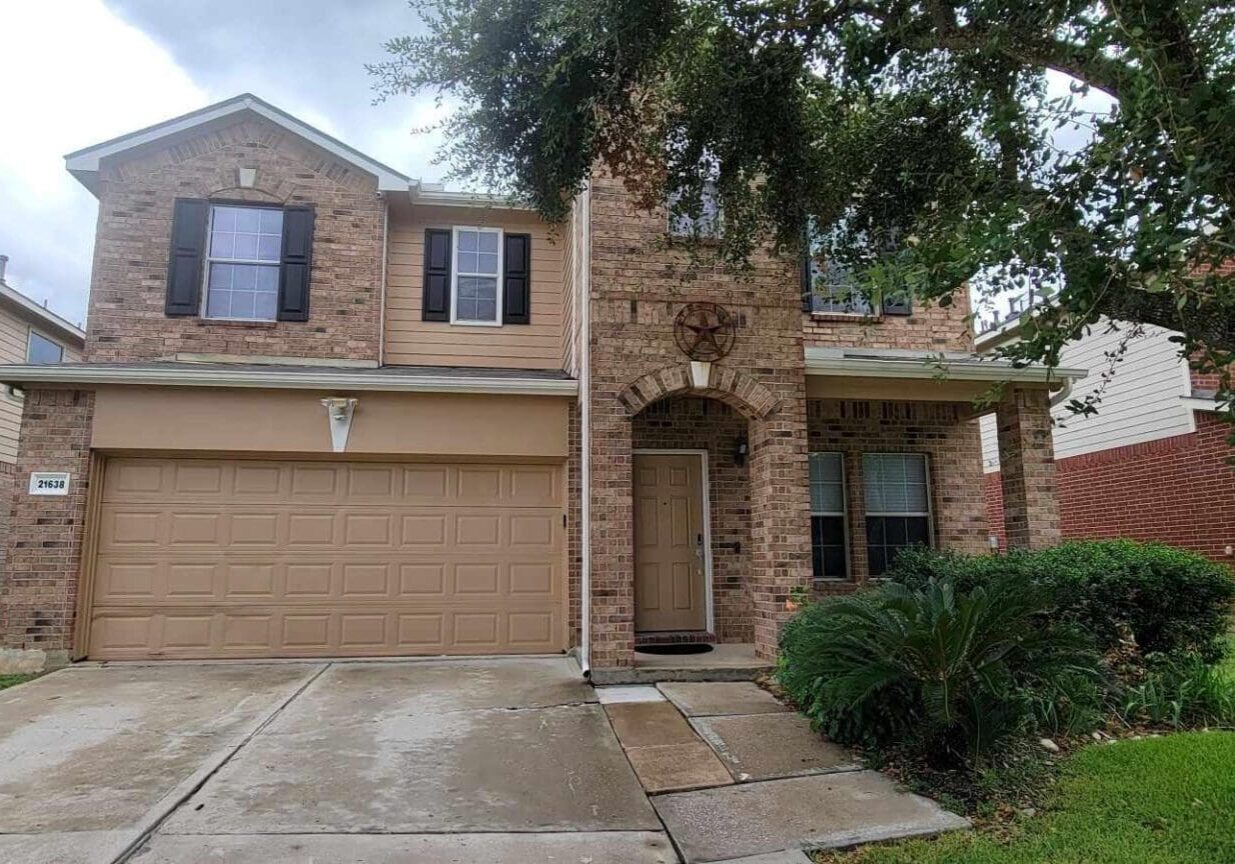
(740, 451)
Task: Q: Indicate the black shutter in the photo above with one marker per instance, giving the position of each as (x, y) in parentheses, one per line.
(184, 270)
(808, 290)
(517, 280)
(295, 264)
(435, 304)
(899, 303)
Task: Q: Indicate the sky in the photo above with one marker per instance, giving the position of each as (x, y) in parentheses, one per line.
(101, 68)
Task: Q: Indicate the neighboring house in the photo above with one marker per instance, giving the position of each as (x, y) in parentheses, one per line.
(29, 333)
(326, 410)
(1152, 463)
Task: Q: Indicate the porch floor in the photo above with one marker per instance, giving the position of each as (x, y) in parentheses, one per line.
(725, 662)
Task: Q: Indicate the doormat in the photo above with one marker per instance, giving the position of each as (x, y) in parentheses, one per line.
(675, 648)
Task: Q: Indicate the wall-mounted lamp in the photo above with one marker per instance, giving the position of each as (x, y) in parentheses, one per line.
(740, 451)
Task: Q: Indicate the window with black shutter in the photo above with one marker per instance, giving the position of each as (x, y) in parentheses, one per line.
(253, 261)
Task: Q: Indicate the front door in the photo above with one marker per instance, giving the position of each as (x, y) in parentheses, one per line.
(669, 542)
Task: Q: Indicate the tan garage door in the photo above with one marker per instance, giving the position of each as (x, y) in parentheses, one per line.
(240, 558)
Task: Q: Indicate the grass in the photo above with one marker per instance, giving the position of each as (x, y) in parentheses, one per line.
(1168, 800)
(13, 680)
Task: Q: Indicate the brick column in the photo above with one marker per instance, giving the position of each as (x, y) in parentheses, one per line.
(1027, 465)
(780, 517)
(612, 529)
(38, 595)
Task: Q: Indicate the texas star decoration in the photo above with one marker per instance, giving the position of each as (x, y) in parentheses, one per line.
(704, 331)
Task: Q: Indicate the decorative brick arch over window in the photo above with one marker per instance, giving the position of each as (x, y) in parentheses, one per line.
(725, 384)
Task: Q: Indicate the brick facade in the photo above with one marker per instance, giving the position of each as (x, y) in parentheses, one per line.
(1027, 457)
(38, 596)
(136, 196)
(1178, 490)
(945, 431)
(638, 287)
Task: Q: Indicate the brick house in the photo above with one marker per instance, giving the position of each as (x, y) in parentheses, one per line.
(1153, 464)
(327, 410)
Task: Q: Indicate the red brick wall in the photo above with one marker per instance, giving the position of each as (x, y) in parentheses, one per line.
(1178, 490)
(943, 430)
(39, 594)
(136, 196)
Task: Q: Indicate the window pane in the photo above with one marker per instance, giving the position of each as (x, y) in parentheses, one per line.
(247, 291)
(40, 349)
(486, 263)
(268, 246)
(222, 244)
(895, 483)
(246, 246)
(828, 560)
(488, 242)
(246, 233)
(248, 219)
(271, 221)
(827, 491)
(467, 241)
(224, 219)
(476, 299)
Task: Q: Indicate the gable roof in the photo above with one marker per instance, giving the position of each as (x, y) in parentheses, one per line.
(84, 164)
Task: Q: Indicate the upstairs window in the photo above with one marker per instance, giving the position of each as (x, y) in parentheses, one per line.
(242, 263)
(41, 350)
(706, 224)
(833, 290)
(478, 272)
(898, 508)
(239, 262)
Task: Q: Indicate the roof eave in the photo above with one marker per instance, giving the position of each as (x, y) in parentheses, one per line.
(284, 380)
(823, 364)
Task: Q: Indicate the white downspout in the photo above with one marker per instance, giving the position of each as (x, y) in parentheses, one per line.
(381, 313)
(583, 307)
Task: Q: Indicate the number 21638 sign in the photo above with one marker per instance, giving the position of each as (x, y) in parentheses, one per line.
(49, 483)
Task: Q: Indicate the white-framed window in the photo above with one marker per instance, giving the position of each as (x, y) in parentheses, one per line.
(40, 349)
(476, 277)
(829, 533)
(706, 224)
(243, 253)
(898, 506)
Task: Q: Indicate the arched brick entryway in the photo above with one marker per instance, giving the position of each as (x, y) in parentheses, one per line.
(779, 499)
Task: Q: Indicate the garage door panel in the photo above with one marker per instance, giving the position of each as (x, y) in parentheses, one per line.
(219, 558)
(239, 581)
(129, 634)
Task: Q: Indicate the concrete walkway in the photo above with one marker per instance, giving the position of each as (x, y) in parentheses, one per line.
(502, 761)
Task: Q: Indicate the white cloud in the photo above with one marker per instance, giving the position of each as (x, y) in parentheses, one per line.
(76, 74)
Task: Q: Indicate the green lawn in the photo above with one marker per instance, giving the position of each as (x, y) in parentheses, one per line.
(1168, 800)
(10, 680)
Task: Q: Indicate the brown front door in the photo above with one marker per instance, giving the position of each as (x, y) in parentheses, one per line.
(669, 551)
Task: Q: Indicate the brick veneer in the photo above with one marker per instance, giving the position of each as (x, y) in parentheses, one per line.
(44, 547)
(692, 423)
(945, 431)
(638, 286)
(1027, 460)
(136, 195)
(1178, 490)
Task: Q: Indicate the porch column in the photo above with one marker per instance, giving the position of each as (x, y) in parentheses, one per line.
(1027, 469)
(612, 537)
(780, 518)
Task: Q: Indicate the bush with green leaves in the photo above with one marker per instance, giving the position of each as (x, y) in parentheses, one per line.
(1172, 601)
(947, 672)
(1181, 691)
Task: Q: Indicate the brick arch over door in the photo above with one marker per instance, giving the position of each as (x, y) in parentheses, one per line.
(734, 388)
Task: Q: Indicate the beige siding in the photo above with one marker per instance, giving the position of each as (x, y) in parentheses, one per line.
(14, 334)
(1141, 402)
(411, 341)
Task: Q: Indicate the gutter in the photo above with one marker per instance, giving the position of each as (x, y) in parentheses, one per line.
(584, 308)
(285, 380)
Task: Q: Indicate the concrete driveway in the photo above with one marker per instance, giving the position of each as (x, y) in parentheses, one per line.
(500, 761)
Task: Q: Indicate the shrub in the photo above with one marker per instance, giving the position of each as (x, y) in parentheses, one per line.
(1171, 600)
(1180, 691)
(947, 673)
